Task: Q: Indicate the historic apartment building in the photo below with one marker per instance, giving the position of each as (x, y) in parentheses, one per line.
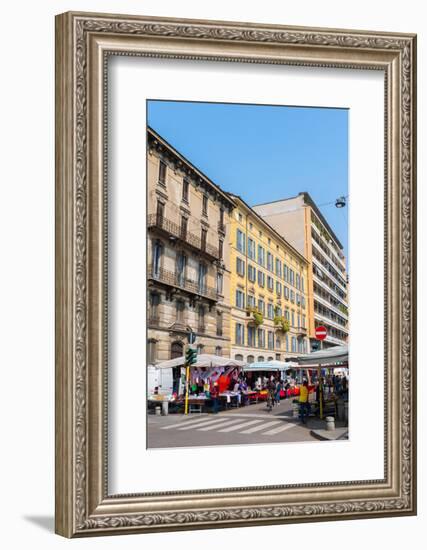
(270, 317)
(299, 220)
(188, 224)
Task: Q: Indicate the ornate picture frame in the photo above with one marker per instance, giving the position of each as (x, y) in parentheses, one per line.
(83, 43)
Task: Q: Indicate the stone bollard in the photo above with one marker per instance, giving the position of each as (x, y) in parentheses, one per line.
(165, 408)
(295, 410)
(330, 423)
(158, 410)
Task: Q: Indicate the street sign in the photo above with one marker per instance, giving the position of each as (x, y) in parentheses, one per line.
(191, 337)
(321, 333)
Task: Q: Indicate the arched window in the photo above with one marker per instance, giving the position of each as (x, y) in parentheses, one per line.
(151, 351)
(218, 350)
(238, 357)
(261, 359)
(270, 359)
(251, 359)
(177, 349)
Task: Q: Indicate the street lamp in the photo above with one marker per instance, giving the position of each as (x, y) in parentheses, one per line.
(340, 202)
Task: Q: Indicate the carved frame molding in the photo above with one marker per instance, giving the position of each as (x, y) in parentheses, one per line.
(83, 44)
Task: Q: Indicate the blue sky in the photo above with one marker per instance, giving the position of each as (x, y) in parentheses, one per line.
(264, 153)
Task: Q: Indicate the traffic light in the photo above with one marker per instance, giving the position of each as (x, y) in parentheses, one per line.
(191, 356)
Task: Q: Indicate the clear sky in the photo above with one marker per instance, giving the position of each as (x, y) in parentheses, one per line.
(264, 153)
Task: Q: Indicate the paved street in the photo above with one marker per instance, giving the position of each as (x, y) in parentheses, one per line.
(247, 425)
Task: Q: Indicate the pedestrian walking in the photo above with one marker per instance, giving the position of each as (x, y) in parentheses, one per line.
(215, 397)
(277, 392)
(270, 394)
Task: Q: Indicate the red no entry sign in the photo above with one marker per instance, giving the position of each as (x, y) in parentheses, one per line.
(321, 333)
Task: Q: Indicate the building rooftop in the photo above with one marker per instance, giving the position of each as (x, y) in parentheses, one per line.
(197, 171)
(265, 223)
(310, 202)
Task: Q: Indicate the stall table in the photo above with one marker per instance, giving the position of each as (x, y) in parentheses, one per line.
(232, 399)
(196, 404)
(252, 396)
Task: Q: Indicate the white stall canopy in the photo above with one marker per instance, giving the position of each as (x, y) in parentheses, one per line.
(268, 366)
(330, 356)
(203, 360)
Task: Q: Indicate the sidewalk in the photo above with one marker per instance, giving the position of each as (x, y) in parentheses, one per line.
(319, 431)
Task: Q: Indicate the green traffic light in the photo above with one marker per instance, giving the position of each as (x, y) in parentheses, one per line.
(191, 356)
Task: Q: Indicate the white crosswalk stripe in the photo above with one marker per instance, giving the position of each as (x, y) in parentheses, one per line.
(217, 424)
(279, 429)
(242, 424)
(238, 426)
(187, 423)
(201, 423)
(259, 428)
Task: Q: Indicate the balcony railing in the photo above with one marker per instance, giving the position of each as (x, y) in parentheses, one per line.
(327, 303)
(328, 288)
(177, 280)
(325, 271)
(328, 321)
(181, 232)
(201, 329)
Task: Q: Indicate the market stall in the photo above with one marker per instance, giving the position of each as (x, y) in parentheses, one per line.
(321, 364)
(208, 370)
(258, 372)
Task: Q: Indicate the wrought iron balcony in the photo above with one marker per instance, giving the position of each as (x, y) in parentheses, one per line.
(180, 232)
(177, 280)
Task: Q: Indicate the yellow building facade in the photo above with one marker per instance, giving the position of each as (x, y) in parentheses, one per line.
(268, 291)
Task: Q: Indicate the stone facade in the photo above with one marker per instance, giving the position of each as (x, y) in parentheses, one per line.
(187, 249)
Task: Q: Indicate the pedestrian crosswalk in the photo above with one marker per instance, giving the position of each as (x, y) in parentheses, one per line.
(240, 424)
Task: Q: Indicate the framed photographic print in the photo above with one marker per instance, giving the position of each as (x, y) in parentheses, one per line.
(235, 274)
